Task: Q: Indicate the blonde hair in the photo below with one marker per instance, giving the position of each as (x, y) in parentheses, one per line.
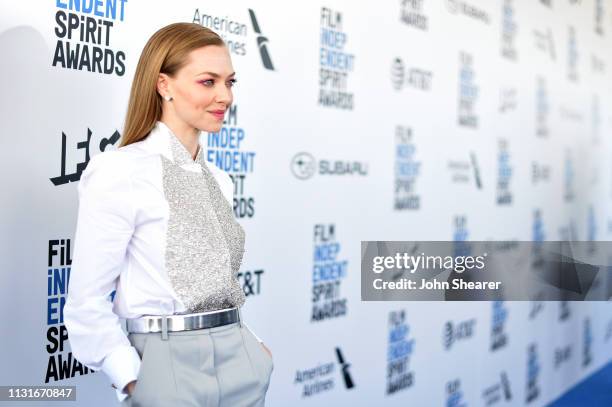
(166, 52)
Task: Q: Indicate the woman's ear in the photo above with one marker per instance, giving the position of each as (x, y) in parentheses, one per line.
(162, 85)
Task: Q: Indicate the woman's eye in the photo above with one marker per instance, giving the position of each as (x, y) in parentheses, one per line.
(211, 82)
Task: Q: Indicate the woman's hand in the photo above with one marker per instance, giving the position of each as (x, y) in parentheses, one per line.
(129, 388)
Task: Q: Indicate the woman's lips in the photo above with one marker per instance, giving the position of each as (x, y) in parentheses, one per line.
(219, 114)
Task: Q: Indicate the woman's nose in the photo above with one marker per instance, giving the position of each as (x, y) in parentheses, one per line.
(224, 94)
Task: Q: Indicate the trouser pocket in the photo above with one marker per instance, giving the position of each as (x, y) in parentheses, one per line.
(155, 384)
(260, 359)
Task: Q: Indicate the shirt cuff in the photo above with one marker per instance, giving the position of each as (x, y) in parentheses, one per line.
(122, 366)
(120, 395)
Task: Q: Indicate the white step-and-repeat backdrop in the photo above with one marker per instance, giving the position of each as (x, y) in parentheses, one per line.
(353, 120)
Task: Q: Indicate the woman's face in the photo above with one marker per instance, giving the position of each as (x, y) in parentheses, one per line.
(202, 90)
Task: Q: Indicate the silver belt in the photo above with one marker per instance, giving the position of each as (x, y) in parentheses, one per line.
(183, 322)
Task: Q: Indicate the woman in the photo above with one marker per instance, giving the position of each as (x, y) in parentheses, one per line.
(155, 223)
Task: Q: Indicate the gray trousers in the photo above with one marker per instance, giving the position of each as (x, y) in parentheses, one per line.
(215, 367)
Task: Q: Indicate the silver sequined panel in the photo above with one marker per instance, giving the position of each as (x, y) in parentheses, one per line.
(205, 243)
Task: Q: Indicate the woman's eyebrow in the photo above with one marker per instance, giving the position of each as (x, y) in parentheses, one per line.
(215, 75)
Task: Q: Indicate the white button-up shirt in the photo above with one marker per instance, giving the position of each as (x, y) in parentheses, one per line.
(119, 245)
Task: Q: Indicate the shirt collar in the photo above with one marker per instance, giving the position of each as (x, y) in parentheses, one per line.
(161, 139)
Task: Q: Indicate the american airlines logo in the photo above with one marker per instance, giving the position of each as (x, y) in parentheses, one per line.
(262, 43)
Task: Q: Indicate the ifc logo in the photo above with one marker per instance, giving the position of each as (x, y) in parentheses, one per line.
(397, 73)
(303, 165)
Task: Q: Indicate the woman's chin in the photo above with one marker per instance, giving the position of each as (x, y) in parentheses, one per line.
(212, 127)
